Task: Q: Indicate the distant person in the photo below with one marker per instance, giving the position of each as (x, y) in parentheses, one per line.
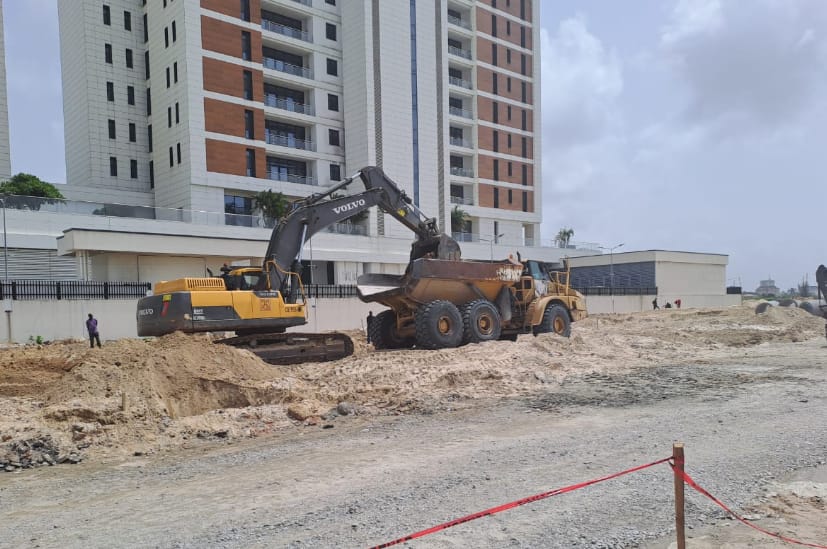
(369, 324)
(92, 329)
(678, 303)
(655, 304)
(667, 306)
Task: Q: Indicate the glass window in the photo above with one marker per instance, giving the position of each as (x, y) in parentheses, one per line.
(174, 33)
(128, 58)
(178, 151)
(127, 20)
(133, 134)
(107, 20)
(113, 166)
(249, 130)
(133, 169)
(330, 31)
(245, 10)
(110, 91)
(130, 95)
(111, 129)
(332, 67)
(332, 102)
(335, 172)
(251, 163)
(248, 85)
(333, 137)
(246, 50)
(107, 53)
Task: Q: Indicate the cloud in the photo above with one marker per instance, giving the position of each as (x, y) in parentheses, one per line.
(743, 70)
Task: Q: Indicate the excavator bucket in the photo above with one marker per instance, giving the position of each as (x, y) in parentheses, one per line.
(436, 247)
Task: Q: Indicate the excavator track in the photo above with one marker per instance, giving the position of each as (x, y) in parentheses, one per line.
(294, 348)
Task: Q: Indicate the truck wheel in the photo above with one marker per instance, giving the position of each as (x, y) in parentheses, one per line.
(438, 325)
(555, 321)
(383, 332)
(481, 322)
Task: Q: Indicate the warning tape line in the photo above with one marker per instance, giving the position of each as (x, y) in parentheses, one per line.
(519, 502)
(691, 482)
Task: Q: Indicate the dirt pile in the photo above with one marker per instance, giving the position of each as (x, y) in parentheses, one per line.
(144, 395)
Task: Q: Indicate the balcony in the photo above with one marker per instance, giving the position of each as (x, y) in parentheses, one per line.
(347, 228)
(463, 200)
(462, 83)
(284, 30)
(304, 2)
(287, 104)
(276, 174)
(281, 66)
(288, 141)
(459, 52)
(460, 142)
(456, 21)
(462, 172)
(465, 237)
(457, 111)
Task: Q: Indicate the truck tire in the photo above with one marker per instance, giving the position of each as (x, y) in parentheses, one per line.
(555, 321)
(481, 322)
(438, 325)
(383, 332)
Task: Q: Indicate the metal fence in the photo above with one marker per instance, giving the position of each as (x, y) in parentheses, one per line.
(28, 290)
(602, 290)
(330, 290)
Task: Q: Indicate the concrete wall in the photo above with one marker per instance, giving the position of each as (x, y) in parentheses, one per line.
(54, 320)
(637, 303)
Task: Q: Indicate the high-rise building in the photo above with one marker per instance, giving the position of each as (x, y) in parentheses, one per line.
(5, 156)
(200, 104)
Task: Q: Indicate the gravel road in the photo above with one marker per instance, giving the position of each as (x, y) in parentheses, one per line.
(746, 422)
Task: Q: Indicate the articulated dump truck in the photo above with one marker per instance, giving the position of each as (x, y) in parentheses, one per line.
(443, 303)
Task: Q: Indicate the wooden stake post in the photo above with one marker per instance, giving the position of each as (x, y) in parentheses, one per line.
(677, 457)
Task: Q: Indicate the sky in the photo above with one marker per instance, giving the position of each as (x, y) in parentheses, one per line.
(692, 125)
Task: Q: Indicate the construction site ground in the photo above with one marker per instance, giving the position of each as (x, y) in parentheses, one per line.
(177, 442)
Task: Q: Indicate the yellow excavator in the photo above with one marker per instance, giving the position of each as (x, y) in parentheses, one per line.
(259, 304)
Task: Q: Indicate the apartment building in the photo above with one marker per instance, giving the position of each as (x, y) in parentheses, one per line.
(197, 105)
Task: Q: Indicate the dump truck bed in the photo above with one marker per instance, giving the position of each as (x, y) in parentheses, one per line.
(431, 279)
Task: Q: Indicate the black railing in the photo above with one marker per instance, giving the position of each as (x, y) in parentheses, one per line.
(733, 290)
(329, 290)
(620, 290)
(28, 290)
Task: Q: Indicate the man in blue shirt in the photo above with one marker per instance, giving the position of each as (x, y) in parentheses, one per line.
(92, 328)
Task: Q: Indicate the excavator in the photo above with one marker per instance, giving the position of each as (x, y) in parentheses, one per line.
(821, 282)
(260, 303)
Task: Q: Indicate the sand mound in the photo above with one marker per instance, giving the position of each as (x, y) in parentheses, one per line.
(157, 393)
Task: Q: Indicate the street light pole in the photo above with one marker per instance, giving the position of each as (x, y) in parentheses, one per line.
(612, 271)
(6, 300)
(491, 243)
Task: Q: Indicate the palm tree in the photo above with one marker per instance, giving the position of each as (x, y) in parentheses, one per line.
(458, 219)
(563, 237)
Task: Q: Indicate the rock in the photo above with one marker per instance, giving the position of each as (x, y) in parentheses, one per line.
(346, 408)
(299, 412)
(8, 468)
(541, 377)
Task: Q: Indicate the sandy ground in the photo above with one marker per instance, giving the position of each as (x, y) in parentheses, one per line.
(180, 394)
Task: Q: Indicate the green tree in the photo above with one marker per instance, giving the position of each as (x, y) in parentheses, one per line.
(804, 287)
(459, 218)
(273, 206)
(564, 237)
(29, 192)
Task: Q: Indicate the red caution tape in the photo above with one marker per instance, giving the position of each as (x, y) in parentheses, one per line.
(505, 507)
(688, 480)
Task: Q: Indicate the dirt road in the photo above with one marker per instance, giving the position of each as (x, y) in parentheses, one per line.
(750, 422)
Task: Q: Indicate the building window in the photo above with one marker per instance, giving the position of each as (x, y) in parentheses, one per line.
(522, 37)
(249, 130)
(508, 56)
(130, 95)
(332, 67)
(175, 72)
(110, 91)
(525, 201)
(495, 112)
(151, 174)
(508, 27)
(128, 58)
(509, 147)
(524, 92)
(113, 166)
(178, 151)
(494, 83)
(174, 32)
(169, 117)
(335, 172)
(133, 135)
(494, 54)
(332, 102)
(133, 169)
(510, 196)
(106, 15)
(508, 87)
(496, 201)
(148, 102)
(146, 29)
(168, 80)
(333, 137)
(331, 2)
(495, 138)
(251, 163)
(166, 37)
(525, 120)
(525, 147)
(330, 31)
(248, 85)
(107, 53)
(494, 25)
(146, 64)
(496, 170)
(149, 137)
(508, 110)
(111, 129)
(245, 10)
(171, 158)
(525, 174)
(246, 48)
(127, 21)
(510, 169)
(177, 113)
(523, 64)
(238, 210)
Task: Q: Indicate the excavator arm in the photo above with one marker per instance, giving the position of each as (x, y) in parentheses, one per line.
(319, 211)
(821, 282)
